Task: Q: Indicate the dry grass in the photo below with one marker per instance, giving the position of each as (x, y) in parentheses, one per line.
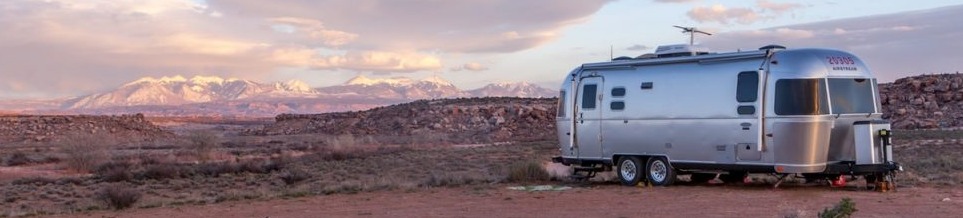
(527, 171)
(909, 135)
(17, 159)
(83, 153)
(930, 161)
(264, 173)
(202, 143)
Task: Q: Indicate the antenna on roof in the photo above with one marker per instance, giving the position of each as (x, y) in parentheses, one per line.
(692, 32)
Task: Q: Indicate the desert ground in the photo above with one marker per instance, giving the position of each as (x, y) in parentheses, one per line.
(215, 169)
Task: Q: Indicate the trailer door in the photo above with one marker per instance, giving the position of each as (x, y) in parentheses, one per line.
(749, 146)
(588, 125)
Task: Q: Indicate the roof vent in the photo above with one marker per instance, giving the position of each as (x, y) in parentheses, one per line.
(680, 50)
(622, 58)
(772, 47)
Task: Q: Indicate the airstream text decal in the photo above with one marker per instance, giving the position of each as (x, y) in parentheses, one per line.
(842, 63)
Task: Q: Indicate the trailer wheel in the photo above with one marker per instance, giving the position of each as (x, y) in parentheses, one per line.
(630, 170)
(660, 173)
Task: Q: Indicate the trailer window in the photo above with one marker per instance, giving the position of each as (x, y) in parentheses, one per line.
(617, 105)
(801, 97)
(618, 92)
(850, 96)
(561, 104)
(588, 96)
(747, 88)
(879, 103)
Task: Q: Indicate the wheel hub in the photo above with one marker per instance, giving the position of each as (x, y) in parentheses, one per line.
(628, 170)
(657, 171)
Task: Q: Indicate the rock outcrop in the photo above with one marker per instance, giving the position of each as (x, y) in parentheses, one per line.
(463, 120)
(924, 102)
(53, 127)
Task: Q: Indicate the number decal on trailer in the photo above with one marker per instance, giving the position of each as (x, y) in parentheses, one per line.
(842, 63)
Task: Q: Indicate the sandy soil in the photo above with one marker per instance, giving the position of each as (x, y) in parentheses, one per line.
(598, 200)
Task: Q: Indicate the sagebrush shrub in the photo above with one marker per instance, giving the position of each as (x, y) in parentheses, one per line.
(84, 152)
(118, 196)
(527, 171)
(203, 143)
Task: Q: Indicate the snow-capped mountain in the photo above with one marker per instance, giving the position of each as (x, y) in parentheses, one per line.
(178, 90)
(513, 89)
(216, 96)
(396, 88)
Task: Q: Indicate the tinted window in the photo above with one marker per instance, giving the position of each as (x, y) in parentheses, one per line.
(588, 96)
(561, 104)
(747, 88)
(617, 105)
(801, 97)
(746, 110)
(851, 96)
(618, 92)
(646, 85)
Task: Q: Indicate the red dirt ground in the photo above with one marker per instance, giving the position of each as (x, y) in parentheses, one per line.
(598, 200)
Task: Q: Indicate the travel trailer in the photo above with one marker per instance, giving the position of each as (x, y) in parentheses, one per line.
(806, 112)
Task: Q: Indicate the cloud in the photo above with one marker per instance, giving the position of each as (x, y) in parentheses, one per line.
(782, 33)
(893, 45)
(742, 15)
(674, 1)
(73, 47)
(721, 14)
(470, 26)
(315, 30)
(777, 7)
(65, 47)
(375, 61)
(638, 47)
(473, 66)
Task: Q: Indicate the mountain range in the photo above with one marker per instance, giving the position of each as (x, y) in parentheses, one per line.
(216, 96)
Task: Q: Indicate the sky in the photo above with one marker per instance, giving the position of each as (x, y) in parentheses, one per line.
(67, 48)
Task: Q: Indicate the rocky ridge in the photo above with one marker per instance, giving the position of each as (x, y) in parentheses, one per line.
(924, 102)
(15, 128)
(462, 120)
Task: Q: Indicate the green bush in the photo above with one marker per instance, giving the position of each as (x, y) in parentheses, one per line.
(843, 209)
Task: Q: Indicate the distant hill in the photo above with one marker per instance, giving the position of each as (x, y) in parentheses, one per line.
(458, 121)
(215, 96)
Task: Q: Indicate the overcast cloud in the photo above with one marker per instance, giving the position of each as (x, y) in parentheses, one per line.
(894, 45)
(65, 47)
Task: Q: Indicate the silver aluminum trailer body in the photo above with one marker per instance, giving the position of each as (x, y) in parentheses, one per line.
(811, 111)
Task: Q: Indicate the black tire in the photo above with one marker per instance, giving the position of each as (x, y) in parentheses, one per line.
(733, 177)
(701, 177)
(659, 171)
(630, 170)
